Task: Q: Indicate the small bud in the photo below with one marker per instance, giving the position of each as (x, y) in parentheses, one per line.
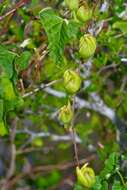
(72, 4)
(3, 129)
(85, 176)
(84, 13)
(87, 46)
(72, 81)
(66, 114)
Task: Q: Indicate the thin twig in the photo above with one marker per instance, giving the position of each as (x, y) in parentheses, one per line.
(17, 6)
(95, 6)
(41, 87)
(53, 137)
(73, 134)
(75, 146)
(11, 169)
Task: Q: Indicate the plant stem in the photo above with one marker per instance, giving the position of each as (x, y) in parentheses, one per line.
(72, 131)
(17, 6)
(41, 87)
(121, 177)
(75, 148)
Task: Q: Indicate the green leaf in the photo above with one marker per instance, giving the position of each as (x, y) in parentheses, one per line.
(110, 165)
(97, 185)
(100, 184)
(78, 187)
(6, 61)
(3, 128)
(117, 185)
(125, 187)
(72, 30)
(7, 91)
(3, 5)
(59, 31)
(23, 60)
(1, 109)
(122, 25)
(9, 94)
(104, 185)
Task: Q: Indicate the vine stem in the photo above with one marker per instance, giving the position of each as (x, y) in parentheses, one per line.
(95, 6)
(121, 177)
(72, 132)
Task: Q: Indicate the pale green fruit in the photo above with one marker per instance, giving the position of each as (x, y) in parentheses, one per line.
(66, 114)
(87, 46)
(72, 4)
(86, 176)
(84, 13)
(72, 81)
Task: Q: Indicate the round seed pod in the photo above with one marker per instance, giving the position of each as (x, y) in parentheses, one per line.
(66, 113)
(72, 81)
(84, 13)
(87, 46)
(72, 4)
(86, 176)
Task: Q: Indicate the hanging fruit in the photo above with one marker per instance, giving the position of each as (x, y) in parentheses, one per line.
(66, 113)
(72, 81)
(85, 176)
(87, 46)
(84, 13)
(72, 4)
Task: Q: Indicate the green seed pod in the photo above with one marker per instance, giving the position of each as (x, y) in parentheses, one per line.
(66, 114)
(84, 13)
(3, 129)
(87, 46)
(8, 92)
(72, 4)
(72, 81)
(86, 176)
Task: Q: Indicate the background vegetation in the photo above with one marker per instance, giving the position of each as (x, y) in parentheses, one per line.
(36, 151)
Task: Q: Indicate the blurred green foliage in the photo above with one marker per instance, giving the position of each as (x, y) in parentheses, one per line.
(25, 59)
